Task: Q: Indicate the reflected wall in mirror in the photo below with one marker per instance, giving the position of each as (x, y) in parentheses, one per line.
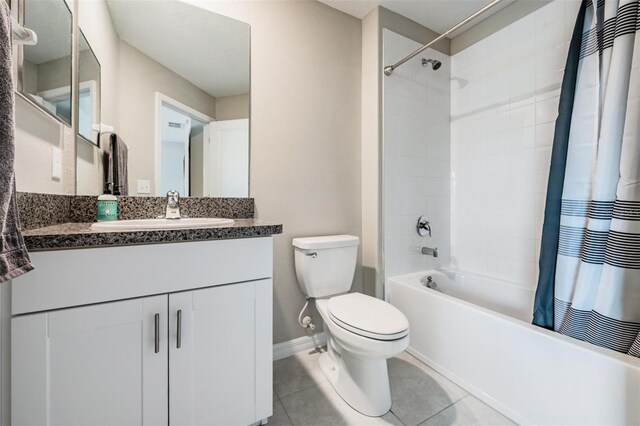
(175, 90)
(88, 92)
(45, 68)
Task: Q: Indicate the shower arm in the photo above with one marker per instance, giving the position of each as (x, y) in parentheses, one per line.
(388, 70)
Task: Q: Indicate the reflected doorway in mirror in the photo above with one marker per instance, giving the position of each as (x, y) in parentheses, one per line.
(198, 156)
(177, 131)
(178, 147)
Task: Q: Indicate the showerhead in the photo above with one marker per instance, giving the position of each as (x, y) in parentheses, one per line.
(435, 64)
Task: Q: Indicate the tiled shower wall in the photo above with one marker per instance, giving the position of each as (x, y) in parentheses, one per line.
(504, 101)
(416, 157)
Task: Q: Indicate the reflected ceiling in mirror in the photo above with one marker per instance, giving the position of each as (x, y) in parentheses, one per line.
(175, 90)
(207, 49)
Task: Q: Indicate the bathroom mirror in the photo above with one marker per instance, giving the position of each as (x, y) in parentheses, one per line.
(45, 68)
(175, 91)
(88, 92)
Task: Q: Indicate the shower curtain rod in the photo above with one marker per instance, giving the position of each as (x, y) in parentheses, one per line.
(388, 70)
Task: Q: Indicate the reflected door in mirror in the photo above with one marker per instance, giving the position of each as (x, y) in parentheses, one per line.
(200, 157)
(227, 161)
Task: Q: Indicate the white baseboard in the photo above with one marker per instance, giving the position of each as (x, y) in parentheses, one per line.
(291, 347)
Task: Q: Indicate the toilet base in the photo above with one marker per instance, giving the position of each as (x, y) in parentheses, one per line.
(363, 383)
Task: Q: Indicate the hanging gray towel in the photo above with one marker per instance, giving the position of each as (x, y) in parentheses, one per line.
(117, 177)
(14, 258)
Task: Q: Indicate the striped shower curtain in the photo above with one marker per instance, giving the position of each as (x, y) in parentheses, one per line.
(593, 276)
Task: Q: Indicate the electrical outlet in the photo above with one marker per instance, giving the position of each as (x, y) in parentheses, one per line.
(144, 186)
(56, 163)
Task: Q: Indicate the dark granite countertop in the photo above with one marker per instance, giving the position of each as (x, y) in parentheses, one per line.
(80, 235)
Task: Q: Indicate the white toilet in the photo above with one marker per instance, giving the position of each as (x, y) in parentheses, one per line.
(362, 331)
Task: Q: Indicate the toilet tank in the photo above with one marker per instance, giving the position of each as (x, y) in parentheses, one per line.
(325, 265)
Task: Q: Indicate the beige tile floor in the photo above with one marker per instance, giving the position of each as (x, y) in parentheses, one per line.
(420, 396)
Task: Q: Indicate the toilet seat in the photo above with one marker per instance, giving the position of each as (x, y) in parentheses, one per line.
(368, 317)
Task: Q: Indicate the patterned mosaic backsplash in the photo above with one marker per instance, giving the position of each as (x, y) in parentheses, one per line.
(40, 210)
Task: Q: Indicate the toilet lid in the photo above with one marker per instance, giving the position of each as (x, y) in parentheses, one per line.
(368, 316)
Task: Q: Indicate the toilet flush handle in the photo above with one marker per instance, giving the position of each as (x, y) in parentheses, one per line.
(312, 254)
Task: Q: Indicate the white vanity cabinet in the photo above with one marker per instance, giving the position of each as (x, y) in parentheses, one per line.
(191, 345)
(95, 364)
(213, 361)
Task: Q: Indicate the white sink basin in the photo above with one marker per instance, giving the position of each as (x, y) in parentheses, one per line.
(143, 224)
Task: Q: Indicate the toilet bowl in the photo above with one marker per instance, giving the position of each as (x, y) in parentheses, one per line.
(362, 331)
(356, 359)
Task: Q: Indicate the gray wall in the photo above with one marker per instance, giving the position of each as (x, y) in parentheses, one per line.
(36, 134)
(30, 77)
(305, 131)
(196, 164)
(129, 82)
(140, 78)
(232, 107)
(54, 74)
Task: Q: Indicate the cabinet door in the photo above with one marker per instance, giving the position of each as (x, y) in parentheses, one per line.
(98, 364)
(220, 355)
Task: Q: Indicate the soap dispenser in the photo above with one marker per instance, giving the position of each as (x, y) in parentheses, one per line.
(107, 207)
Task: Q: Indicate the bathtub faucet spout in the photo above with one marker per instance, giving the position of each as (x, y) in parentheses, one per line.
(429, 251)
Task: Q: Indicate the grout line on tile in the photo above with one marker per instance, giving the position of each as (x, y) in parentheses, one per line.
(466, 392)
(286, 413)
(445, 408)
(397, 418)
(301, 390)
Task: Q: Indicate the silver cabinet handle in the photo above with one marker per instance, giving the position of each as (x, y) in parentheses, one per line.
(156, 320)
(179, 337)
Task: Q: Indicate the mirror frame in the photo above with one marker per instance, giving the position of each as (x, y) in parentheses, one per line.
(20, 66)
(77, 25)
(18, 11)
(76, 109)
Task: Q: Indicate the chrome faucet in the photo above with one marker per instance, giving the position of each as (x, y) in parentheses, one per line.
(424, 226)
(429, 282)
(429, 251)
(173, 205)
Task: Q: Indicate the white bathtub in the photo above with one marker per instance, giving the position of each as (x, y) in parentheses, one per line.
(477, 332)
